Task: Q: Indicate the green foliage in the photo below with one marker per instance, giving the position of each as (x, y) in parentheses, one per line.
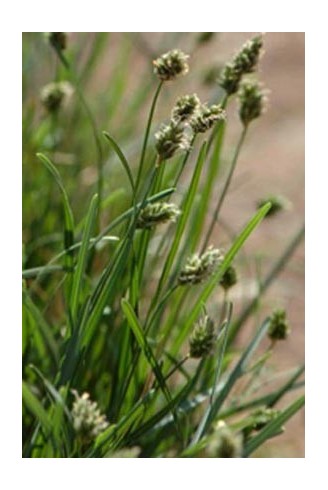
(111, 366)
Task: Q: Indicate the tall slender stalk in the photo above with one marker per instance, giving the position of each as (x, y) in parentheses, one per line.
(225, 188)
(145, 142)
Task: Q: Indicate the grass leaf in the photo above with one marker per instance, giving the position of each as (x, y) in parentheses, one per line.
(122, 158)
(82, 258)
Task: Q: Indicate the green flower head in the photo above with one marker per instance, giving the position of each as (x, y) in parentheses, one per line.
(53, 94)
(252, 100)
(58, 40)
(278, 203)
(202, 339)
(170, 139)
(229, 278)
(279, 328)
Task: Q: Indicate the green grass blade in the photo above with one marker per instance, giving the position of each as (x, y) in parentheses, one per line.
(188, 406)
(122, 159)
(104, 292)
(142, 341)
(269, 400)
(271, 429)
(68, 214)
(77, 281)
(35, 407)
(238, 371)
(53, 392)
(42, 325)
(211, 178)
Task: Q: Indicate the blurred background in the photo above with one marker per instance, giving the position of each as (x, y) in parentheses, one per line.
(115, 73)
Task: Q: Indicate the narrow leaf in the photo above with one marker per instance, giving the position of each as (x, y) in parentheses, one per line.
(122, 158)
(82, 258)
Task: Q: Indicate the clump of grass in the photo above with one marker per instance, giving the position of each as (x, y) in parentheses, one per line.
(121, 318)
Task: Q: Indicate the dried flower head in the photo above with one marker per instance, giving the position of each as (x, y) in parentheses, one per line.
(88, 422)
(278, 203)
(170, 65)
(202, 339)
(170, 139)
(251, 101)
(205, 118)
(279, 328)
(156, 213)
(53, 94)
(224, 443)
(58, 40)
(245, 61)
(185, 107)
(229, 278)
(198, 268)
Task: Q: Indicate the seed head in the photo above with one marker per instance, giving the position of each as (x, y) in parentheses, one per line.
(88, 422)
(53, 94)
(251, 101)
(198, 268)
(279, 328)
(185, 107)
(156, 213)
(202, 339)
(229, 278)
(245, 61)
(225, 443)
(278, 203)
(170, 139)
(230, 78)
(171, 65)
(205, 118)
(58, 40)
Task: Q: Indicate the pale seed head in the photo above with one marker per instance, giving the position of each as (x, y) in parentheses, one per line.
(171, 65)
